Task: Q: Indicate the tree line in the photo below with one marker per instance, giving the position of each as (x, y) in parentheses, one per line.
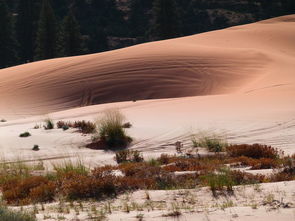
(33, 30)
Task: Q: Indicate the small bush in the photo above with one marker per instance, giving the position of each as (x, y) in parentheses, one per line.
(85, 127)
(256, 151)
(49, 125)
(36, 147)
(10, 215)
(213, 142)
(25, 134)
(111, 134)
(124, 156)
(217, 181)
(3, 120)
(65, 127)
(127, 125)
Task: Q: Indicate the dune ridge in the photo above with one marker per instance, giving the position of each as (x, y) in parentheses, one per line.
(235, 60)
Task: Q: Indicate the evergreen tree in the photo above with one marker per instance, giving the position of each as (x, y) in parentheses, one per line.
(7, 41)
(47, 33)
(71, 36)
(165, 20)
(138, 19)
(26, 26)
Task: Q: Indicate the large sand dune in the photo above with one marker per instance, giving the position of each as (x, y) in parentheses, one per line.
(238, 59)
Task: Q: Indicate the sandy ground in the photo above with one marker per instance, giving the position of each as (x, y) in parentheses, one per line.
(239, 82)
(271, 201)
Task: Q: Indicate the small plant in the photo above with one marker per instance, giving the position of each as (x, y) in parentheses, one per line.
(3, 120)
(85, 127)
(25, 134)
(49, 125)
(218, 181)
(10, 215)
(124, 156)
(127, 125)
(111, 134)
(213, 142)
(36, 147)
(139, 217)
(65, 127)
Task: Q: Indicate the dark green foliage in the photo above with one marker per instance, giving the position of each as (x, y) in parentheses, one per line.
(25, 134)
(26, 26)
(46, 41)
(71, 39)
(36, 147)
(165, 20)
(7, 40)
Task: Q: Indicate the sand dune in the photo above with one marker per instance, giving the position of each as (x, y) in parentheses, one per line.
(238, 59)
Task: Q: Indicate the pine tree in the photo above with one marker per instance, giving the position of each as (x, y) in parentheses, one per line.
(26, 28)
(138, 20)
(47, 33)
(7, 42)
(71, 36)
(165, 20)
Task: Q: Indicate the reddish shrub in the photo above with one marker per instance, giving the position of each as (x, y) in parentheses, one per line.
(28, 190)
(255, 151)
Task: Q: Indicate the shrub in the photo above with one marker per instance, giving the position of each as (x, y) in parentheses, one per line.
(60, 124)
(214, 143)
(111, 132)
(10, 215)
(28, 190)
(25, 134)
(127, 125)
(36, 147)
(217, 181)
(124, 156)
(85, 127)
(2, 120)
(49, 125)
(255, 151)
(65, 127)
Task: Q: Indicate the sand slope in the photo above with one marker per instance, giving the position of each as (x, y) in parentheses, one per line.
(237, 59)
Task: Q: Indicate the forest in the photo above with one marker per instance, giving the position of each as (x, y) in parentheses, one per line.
(33, 30)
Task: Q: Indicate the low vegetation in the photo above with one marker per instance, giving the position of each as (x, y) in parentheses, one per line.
(125, 156)
(3, 120)
(111, 133)
(212, 142)
(49, 124)
(72, 180)
(25, 134)
(85, 127)
(10, 215)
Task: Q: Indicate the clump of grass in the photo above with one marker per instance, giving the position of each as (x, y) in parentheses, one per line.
(125, 156)
(25, 134)
(10, 215)
(111, 134)
(70, 166)
(213, 142)
(49, 124)
(36, 147)
(3, 120)
(219, 181)
(256, 151)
